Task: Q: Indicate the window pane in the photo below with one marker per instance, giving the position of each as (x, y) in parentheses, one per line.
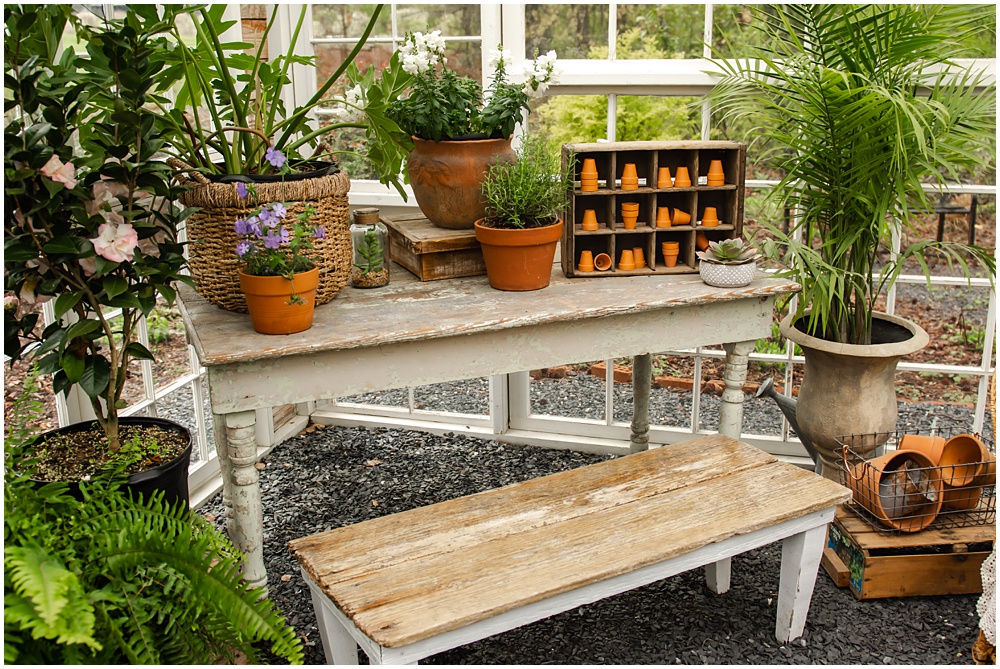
(573, 31)
(660, 31)
(348, 20)
(449, 19)
(570, 391)
(732, 33)
(647, 117)
(572, 118)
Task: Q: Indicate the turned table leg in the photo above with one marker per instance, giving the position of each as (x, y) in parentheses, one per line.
(247, 527)
(642, 378)
(225, 471)
(735, 375)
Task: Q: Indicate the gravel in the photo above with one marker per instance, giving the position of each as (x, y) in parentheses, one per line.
(336, 476)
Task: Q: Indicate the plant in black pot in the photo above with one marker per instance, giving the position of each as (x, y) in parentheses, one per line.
(864, 105)
(89, 223)
(524, 201)
(458, 132)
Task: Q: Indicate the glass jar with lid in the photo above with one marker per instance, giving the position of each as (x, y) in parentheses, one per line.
(370, 239)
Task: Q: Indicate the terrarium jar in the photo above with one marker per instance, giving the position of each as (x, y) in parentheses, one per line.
(370, 239)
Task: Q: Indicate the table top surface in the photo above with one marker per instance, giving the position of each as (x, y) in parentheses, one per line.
(408, 309)
(433, 569)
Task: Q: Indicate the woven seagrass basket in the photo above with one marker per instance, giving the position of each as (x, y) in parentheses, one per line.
(212, 238)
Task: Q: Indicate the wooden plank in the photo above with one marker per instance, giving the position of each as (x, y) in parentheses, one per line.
(630, 526)
(433, 253)
(909, 575)
(420, 236)
(872, 539)
(836, 568)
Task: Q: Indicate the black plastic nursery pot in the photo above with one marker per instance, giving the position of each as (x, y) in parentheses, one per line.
(170, 477)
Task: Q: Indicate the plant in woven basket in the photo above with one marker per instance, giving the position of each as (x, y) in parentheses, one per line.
(92, 227)
(729, 252)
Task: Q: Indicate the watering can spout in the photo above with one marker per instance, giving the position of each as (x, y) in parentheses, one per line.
(787, 406)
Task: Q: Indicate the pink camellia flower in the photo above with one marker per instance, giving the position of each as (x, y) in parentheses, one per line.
(58, 171)
(27, 293)
(10, 303)
(116, 242)
(89, 265)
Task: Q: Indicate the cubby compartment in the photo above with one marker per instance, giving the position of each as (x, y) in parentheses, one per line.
(612, 237)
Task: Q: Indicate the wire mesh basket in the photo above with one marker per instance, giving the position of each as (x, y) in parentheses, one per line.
(919, 480)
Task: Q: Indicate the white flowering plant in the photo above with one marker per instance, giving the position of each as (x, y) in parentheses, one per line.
(93, 229)
(441, 104)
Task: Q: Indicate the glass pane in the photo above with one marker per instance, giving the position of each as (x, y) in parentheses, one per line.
(572, 118)
(348, 20)
(386, 398)
(330, 56)
(648, 117)
(572, 30)
(471, 396)
(660, 31)
(573, 391)
(449, 19)
(731, 29)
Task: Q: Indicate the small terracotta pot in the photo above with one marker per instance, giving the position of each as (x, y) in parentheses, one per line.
(589, 220)
(663, 217)
(586, 263)
(716, 177)
(629, 221)
(640, 257)
(962, 499)
(925, 443)
(962, 460)
(680, 217)
(627, 261)
(701, 241)
(710, 218)
(589, 170)
(682, 179)
(663, 179)
(518, 259)
(670, 258)
(588, 185)
(602, 261)
(866, 478)
(268, 296)
(628, 172)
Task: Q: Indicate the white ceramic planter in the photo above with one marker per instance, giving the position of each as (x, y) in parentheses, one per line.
(727, 276)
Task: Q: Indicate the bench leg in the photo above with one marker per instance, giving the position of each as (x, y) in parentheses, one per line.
(735, 375)
(718, 576)
(642, 378)
(800, 557)
(248, 511)
(338, 645)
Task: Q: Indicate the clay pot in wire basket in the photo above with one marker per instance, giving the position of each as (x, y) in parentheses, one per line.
(212, 238)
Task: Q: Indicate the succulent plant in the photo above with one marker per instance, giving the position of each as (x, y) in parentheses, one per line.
(729, 252)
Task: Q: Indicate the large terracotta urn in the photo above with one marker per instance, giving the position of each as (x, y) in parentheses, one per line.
(446, 177)
(849, 389)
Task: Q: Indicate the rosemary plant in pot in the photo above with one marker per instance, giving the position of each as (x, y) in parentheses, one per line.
(524, 200)
(864, 105)
(92, 229)
(457, 131)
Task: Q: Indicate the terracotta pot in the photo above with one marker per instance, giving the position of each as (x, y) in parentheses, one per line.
(629, 220)
(447, 176)
(928, 445)
(602, 261)
(663, 217)
(682, 178)
(962, 460)
(663, 179)
(850, 388)
(716, 177)
(671, 250)
(963, 498)
(710, 218)
(268, 296)
(701, 241)
(589, 220)
(519, 259)
(627, 261)
(586, 263)
(896, 505)
(640, 257)
(680, 217)
(589, 170)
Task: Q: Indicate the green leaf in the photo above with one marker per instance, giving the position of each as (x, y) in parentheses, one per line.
(81, 328)
(114, 285)
(73, 366)
(61, 244)
(65, 302)
(95, 377)
(138, 351)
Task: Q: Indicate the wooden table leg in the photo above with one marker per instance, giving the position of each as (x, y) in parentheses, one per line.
(248, 511)
(731, 411)
(800, 558)
(225, 471)
(642, 379)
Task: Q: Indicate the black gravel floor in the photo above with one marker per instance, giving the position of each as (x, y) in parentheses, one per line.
(337, 476)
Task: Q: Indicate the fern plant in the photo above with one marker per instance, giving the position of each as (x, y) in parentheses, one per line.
(112, 580)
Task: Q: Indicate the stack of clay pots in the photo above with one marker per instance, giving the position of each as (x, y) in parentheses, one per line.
(630, 180)
(965, 463)
(670, 252)
(716, 177)
(630, 214)
(588, 175)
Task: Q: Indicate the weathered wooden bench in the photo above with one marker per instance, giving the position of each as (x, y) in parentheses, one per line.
(416, 583)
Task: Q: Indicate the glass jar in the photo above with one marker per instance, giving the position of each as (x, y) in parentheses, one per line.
(370, 239)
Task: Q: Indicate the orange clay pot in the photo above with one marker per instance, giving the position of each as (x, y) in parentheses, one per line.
(268, 296)
(519, 259)
(682, 178)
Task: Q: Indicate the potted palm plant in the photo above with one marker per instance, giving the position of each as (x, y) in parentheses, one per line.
(524, 200)
(457, 131)
(864, 106)
(94, 229)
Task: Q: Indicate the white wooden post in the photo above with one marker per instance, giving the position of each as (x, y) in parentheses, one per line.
(731, 411)
(800, 557)
(248, 512)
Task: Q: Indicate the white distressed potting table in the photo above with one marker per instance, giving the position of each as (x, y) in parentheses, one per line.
(412, 333)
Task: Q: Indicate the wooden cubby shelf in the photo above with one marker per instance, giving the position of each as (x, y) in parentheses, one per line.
(612, 236)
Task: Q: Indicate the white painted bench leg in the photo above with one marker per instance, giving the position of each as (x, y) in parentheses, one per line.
(338, 645)
(718, 575)
(800, 558)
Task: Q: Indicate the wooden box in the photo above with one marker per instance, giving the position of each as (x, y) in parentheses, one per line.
(431, 252)
(929, 562)
(612, 237)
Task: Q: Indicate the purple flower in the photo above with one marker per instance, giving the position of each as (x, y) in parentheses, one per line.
(274, 157)
(241, 189)
(243, 247)
(278, 210)
(265, 218)
(275, 239)
(320, 233)
(242, 227)
(253, 224)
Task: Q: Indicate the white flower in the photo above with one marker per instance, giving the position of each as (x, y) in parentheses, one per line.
(434, 43)
(497, 57)
(351, 107)
(89, 265)
(416, 63)
(116, 241)
(60, 172)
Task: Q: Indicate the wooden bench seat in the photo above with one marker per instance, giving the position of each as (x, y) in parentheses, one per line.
(416, 583)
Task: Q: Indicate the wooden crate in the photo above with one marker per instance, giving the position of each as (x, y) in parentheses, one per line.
(431, 252)
(611, 237)
(930, 562)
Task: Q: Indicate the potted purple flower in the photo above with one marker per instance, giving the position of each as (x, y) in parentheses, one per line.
(278, 278)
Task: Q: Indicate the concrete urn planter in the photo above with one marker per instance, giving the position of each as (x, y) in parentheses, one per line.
(848, 388)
